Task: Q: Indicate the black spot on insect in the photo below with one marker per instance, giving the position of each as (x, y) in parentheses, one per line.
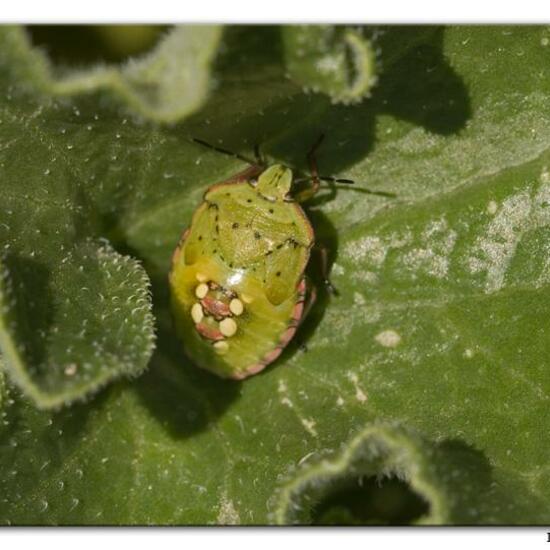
(278, 274)
(257, 235)
(231, 265)
(214, 251)
(271, 210)
(248, 200)
(200, 237)
(235, 225)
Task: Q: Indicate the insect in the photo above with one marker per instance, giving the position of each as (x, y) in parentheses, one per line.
(238, 289)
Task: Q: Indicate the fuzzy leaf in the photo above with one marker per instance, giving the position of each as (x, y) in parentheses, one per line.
(74, 312)
(166, 85)
(454, 481)
(339, 62)
(68, 327)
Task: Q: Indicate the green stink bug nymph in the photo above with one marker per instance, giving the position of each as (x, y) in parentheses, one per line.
(237, 277)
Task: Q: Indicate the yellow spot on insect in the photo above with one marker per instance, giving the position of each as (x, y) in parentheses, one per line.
(236, 306)
(247, 299)
(197, 313)
(201, 277)
(221, 347)
(228, 327)
(201, 291)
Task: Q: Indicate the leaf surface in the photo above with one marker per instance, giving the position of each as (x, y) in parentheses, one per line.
(433, 354)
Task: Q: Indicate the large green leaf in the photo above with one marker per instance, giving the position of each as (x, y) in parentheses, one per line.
(335, 60)
(166, 85)
(70, 325)
(440, 323)
(453, 482)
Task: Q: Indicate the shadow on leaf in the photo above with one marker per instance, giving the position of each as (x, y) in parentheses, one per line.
(416, 84)
(33, 307)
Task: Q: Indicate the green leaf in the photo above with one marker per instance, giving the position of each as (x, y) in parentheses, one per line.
(166, 85)
(453, 482)
(69, 327)
(337, 61)
(433, 353)
(74, 312)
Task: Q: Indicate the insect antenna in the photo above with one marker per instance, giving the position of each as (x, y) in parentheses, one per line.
(333, 182)
(331, 179)
(230, 153)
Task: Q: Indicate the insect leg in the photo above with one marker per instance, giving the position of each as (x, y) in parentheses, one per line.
(312, 160)
(306, 194)
(324, 260)
(260, 160)
(309, 302)
(311, 298)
